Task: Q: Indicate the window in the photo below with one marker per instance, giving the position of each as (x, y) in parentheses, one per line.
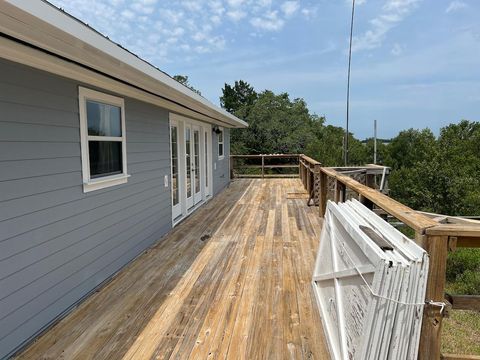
(175, 178)
(102, 131)
(220, 144)
(188, 160)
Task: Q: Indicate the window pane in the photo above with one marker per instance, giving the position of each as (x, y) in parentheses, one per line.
(103, 119)
(175, 190)
(220, 137)
(105, 158)
(220, 149)
(188, 160)
(206, 159)
(196, 145)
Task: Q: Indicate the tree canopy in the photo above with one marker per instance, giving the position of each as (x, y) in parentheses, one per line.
(240, 95)
(183, 79)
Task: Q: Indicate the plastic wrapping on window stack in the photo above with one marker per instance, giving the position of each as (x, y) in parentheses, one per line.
(369, 281)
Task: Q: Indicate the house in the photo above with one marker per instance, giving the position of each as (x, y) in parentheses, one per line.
(101, 154)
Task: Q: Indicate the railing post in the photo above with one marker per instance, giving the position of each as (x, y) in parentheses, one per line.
(370, 180)
(322, 206)
(430, 338)
(316, 184)
(309, 182)
(365, 202)
(300, 169)
(339, 191)
(263, 167)
(305, 174)
(299, 166)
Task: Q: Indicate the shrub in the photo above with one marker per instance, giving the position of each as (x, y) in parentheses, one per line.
(463, 271)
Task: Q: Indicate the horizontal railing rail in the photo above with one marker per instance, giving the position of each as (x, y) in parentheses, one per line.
(240, 163)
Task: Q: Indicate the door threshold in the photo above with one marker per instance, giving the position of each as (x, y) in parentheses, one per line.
(190, 211)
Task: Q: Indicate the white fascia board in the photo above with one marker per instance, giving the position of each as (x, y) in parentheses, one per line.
(16, 52)
(84, 35)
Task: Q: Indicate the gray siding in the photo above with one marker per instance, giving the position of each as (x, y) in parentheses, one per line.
(221, 175)
(56, 242)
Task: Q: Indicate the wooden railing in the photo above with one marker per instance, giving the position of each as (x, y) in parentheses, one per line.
(261, 166)
(437, 234)
(308, 168)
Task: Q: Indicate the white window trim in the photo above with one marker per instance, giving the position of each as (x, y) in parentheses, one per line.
(221, 157)
(90, 184)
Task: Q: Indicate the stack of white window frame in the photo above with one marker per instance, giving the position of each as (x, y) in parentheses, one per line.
(369, 282)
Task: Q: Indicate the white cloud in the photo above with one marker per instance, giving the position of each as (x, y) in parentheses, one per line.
(309, 12)
(455, 6)
(128, 14)
(269, 21)
(192, 5)
(236, 15)
(357, 2)
(397, 49)
(235, 3)
(157, 30)
(393, 12)
(290, 7)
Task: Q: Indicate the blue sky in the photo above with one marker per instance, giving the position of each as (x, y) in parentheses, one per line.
(416, 63)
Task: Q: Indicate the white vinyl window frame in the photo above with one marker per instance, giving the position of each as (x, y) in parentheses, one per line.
(221, 136)
(98, 183)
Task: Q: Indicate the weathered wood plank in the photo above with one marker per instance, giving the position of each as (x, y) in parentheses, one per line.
(464, 302)
(459, 357)
(242, 292)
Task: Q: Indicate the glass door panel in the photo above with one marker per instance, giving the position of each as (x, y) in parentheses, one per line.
(176, 208)
(188, 165)
(205, 173)
(196, 165)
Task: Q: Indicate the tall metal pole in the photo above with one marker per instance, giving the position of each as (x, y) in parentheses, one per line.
(348, 84)
(374, 141)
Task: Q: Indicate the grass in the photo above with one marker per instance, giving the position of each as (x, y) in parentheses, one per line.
(461, 333)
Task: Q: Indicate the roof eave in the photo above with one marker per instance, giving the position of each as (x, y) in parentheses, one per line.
(43, 25)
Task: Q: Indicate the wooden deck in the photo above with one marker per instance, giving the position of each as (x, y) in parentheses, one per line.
(232, 281)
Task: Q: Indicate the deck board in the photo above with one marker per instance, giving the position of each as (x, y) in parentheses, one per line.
(243, 292)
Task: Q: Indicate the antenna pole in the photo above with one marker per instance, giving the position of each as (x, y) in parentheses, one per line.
(348, 84)
(374, 141)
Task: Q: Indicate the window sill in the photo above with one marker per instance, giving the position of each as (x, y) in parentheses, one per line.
(105, 182)
(221, 157)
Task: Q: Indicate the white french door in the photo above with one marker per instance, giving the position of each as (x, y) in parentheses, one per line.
(175, 165)
(188, 170)
(196, 166)
(207, 149)
(191, 164)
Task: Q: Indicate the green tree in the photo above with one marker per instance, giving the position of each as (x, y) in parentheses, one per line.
(409, 147)
(327, 144)
(382, 150)
(438, 175)
(240, 96)
(278, 124)
(183, 79)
